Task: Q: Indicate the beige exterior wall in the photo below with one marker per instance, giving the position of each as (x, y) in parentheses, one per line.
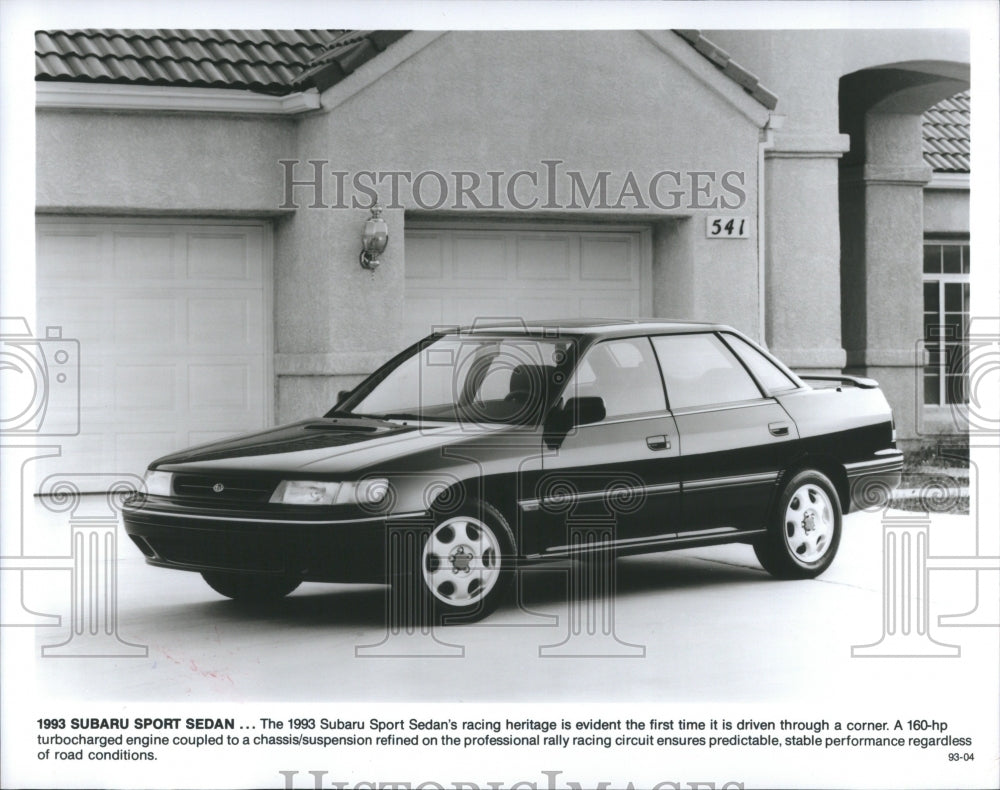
(199, 164)
(504, 102)
(861, 271)
(616, 101)
(946, 211)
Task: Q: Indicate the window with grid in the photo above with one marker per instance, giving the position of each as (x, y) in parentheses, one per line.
(946, 321)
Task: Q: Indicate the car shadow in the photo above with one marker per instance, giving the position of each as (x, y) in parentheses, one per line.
(540, 590)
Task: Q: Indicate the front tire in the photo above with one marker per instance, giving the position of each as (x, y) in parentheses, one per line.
(249, 587)
(804, 532)
(466, 563)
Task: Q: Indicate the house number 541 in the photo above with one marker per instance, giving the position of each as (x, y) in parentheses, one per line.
(728, 228)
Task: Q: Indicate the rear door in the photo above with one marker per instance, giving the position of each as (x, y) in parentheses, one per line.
(734, 437)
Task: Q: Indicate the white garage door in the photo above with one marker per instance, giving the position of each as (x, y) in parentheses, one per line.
(456, 274)
(171, 323)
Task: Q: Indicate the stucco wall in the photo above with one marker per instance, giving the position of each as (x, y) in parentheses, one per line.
(803, 67)
(946, 211)
(138, 162)
(504, 102)
(473, 101)
(876, 314)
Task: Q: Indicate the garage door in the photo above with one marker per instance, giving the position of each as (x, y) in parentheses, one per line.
(456, 274)
(170, 319)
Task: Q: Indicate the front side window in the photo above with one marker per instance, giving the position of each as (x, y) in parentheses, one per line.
(946, 322)
(621, 372)
(699, 370)
(468, 379)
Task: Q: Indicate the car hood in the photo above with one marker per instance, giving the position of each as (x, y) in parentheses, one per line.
(329, 445)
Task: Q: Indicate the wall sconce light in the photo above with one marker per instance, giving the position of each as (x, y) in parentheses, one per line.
(375, 238)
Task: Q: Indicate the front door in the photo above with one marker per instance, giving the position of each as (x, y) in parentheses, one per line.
(618, 478)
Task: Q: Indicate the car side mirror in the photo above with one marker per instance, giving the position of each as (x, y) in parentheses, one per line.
(342, 395)
(584, 411)
(577, 411)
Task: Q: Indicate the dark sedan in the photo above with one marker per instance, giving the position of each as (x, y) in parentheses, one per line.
(481, 449)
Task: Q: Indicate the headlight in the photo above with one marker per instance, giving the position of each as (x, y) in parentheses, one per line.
(314, 492)
(158, 483)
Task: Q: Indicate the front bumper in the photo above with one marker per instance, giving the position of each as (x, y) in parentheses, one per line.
(309, 547)
(872, 482)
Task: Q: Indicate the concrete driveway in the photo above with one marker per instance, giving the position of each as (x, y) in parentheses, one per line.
(693, 625)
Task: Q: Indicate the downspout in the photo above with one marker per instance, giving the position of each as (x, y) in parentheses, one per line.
(766, 144)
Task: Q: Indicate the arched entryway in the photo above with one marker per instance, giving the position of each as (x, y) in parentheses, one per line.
(881, 183)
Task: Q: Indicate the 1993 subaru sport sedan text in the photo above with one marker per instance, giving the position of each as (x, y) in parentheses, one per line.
(501, 445)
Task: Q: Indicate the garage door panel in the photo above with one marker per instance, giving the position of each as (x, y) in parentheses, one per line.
(598, 256)
(544, 258)
(219, 387)
(170, 317)
(224, 323)
(479, 257)
(72, 256)
(81, 318)
(145, 256)
(204, 437)
(94, 381)
(220, 256)
(475, 306)
(539, 307)
(153, 320)
(542, 273)
(424, 256)
(145, 388)
(607, 305)
(133, 450)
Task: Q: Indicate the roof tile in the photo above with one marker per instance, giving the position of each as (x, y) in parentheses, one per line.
(946, 143)
(267, 61)
(722, 61)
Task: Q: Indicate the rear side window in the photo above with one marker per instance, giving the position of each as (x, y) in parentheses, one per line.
(770, 375)
(699, 370)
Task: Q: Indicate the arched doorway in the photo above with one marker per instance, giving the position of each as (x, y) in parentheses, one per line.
(881, 183)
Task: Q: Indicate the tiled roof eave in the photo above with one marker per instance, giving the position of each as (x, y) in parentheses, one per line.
(264, 61)
(722, 60)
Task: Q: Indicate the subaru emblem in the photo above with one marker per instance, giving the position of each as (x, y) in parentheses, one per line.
(218, 488)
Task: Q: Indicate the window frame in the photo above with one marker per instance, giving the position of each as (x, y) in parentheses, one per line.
(566, 393)
(941, 279)
(762, 393)
(793, 380)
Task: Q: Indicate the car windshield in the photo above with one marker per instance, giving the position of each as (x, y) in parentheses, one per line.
(468, 378)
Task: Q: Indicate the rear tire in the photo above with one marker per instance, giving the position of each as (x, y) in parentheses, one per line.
(252, 588)
(804, 531)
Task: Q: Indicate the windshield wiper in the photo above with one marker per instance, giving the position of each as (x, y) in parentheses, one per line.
(350, 415)
(400, 415)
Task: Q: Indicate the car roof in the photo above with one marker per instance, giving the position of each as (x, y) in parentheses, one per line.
(588, 327)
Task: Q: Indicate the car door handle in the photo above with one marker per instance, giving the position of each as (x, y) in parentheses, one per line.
(778, 428)
(657, 442)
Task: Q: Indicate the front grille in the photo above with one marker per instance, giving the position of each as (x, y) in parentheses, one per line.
(223, 489)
